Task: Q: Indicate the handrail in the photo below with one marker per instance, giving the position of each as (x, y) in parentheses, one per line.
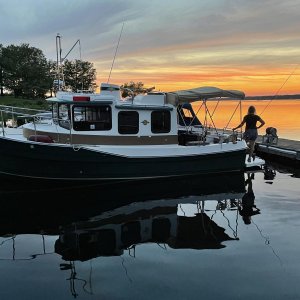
(24, 114)
(37, 117)
(21, 111)
(21, 108)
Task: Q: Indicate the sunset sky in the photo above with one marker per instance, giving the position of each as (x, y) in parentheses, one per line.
(170, 44)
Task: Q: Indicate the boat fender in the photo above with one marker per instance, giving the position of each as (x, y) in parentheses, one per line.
(40, 138)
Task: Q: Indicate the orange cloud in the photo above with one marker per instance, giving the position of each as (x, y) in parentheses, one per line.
(257, 80)
(257, 68)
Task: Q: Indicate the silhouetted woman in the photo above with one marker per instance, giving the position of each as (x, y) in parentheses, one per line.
(251, 134)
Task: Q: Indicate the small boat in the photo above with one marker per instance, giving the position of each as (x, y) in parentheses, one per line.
(95, 137)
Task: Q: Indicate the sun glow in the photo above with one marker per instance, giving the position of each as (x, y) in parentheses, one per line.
(255, 71)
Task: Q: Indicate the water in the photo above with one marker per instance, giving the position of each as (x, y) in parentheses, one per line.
(281, 114)
(186, 239)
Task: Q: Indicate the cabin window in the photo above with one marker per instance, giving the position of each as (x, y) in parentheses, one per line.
(160, 121)
(186, 115)
(128, 122)
(87, 118)
(64, 116)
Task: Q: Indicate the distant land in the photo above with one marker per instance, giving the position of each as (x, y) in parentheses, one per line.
(278, 97)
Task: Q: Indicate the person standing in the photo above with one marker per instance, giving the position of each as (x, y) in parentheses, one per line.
(251, 133)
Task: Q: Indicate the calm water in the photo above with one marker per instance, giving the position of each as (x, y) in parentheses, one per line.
(233, 237)
(283, 115)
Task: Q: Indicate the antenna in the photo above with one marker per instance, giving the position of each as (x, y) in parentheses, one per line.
(112, 65)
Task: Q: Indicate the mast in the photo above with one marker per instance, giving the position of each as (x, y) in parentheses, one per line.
(60, 60)
(60, 82)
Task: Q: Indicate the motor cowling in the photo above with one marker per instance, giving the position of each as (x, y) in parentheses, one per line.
(271, 131)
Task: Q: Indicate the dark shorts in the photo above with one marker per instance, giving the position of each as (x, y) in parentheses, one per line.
(250, 135)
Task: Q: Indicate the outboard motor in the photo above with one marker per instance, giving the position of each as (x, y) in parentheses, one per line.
(271, 136)
(271, 131)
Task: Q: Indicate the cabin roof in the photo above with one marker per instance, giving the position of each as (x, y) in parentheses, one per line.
(143, 107)
(85, 103)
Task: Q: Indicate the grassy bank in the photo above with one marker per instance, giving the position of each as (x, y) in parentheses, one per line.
(40, 104)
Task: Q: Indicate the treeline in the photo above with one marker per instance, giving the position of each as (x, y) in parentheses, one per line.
(134, 88)
(27, 73)
(278, 97)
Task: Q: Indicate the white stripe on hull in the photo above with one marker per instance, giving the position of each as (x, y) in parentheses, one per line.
(114, 178)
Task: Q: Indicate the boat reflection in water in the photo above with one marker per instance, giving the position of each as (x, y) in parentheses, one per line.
(108, 220)
(110, 233)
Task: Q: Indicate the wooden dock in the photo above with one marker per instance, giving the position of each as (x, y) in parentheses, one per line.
(285, 151)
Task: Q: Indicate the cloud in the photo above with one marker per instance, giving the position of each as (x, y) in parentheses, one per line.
(163, 39)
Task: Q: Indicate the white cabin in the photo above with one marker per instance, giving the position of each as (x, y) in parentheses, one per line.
(108, 119)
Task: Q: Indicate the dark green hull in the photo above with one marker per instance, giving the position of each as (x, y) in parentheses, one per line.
(54, 162)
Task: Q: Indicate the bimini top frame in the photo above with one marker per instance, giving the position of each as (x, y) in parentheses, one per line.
(201, 93)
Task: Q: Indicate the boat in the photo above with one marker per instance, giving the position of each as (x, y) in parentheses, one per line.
(101, 136)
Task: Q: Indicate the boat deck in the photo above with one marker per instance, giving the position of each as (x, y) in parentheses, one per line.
(16, 133)
(284, 144)
(284, 150)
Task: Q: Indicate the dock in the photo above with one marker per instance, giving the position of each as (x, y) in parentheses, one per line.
(284, 151)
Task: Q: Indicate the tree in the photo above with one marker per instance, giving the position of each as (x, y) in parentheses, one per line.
(1, 72)
(52, 74)
(79, 75)
(25, 71)
(134, 88)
